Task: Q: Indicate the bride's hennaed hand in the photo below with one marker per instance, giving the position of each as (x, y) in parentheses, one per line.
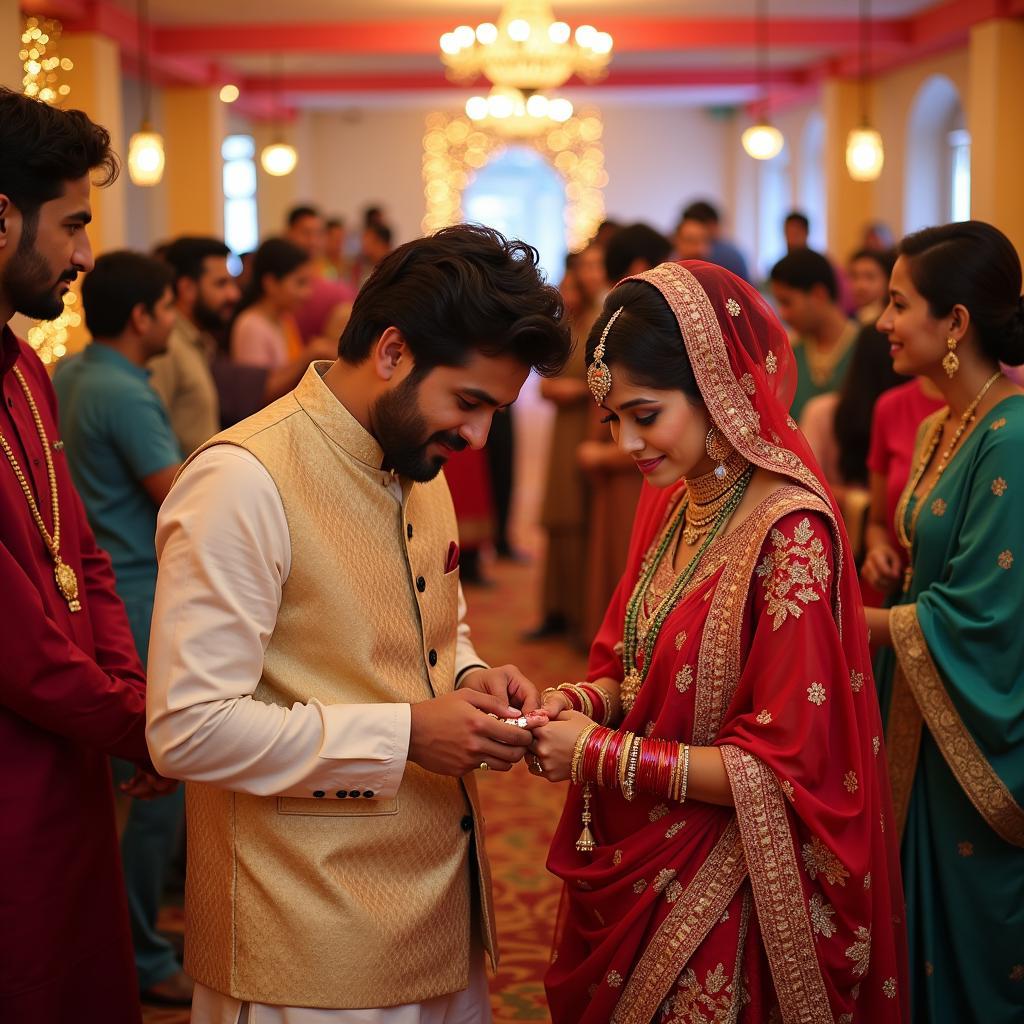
(554, 743)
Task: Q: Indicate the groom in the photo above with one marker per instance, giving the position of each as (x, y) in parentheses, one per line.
(311, 674)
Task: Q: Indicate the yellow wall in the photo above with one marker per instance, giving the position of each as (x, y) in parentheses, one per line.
(892, 101)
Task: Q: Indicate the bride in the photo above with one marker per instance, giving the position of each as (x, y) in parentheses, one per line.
(726, 846)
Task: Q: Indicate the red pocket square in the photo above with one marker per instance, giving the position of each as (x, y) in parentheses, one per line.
(451, 563)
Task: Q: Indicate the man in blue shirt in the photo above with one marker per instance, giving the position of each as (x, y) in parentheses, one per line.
(123, 457)
(721, 251)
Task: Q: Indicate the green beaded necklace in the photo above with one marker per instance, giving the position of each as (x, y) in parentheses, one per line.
(631, 646)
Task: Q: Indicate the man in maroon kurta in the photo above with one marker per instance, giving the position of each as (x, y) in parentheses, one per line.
(72, 690)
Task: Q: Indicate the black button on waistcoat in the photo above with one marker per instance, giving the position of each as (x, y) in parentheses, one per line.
(341, 794)
(408, 530)
(467, 823)
(432, 657)
(421, 584)
(318, 793)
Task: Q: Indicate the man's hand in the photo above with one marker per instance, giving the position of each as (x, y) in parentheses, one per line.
(507, 683)
(146, 786)
(454, 735)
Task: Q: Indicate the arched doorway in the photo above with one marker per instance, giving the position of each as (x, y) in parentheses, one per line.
(521, 195)
(938, 169)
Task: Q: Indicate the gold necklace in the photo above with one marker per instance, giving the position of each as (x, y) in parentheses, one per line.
(907, 534)
(67, 580)
(707, 495)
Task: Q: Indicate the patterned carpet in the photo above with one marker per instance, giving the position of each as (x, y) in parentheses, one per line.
(521, 810)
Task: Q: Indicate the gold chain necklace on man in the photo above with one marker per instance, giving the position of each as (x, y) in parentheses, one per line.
(67, 581)
(907, 534)
(707, 495)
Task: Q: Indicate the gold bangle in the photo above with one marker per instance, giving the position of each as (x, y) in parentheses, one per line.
(677, 775)
(631, 769)
(686, 772)
(556, 689)
(627, 747)
(577, 754)
(588, 707)
(606, 697)
(606, 742)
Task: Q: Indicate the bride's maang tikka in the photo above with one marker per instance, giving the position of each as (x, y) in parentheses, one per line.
(599, 376)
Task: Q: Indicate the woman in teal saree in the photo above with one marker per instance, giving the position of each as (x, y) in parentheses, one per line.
(951, 679)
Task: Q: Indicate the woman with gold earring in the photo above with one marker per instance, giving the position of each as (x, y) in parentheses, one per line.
(723, 844)
(950, 677)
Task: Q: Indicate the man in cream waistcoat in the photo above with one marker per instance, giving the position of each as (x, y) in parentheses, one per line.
(311, 675)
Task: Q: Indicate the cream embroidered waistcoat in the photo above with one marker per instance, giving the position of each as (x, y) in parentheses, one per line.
(326, 902)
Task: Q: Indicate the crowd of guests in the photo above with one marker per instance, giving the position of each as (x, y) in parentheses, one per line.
(902, 360)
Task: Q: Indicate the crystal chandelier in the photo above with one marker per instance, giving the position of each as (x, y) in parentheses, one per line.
(527, 49)
(516, 114)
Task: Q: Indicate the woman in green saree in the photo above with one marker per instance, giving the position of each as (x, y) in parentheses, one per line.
(951, 676)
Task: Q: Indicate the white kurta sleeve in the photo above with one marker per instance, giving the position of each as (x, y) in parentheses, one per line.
(466, 657)
(224, 555)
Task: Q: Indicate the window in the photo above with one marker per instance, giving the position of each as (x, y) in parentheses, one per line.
(521, 195)
(241, 223)
(959, 174)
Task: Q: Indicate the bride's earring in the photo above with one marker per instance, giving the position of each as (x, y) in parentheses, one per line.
(950, 362)
(718, 451)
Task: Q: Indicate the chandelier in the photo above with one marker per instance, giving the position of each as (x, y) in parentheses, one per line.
(516, 114)
(527, 49)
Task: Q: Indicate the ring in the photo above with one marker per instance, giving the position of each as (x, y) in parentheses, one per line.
(484, 766)
(534, 765)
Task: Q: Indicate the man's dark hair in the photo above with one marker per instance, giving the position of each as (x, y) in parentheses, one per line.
(805, 268)
(335, 222)
(43, 147)
(796, 217)
(466, 288)
(702, 211)
(373, 215)
(635, 242)
(884, 258)
(381, 231)
(297, 213)
(186, 255)
(118, 283)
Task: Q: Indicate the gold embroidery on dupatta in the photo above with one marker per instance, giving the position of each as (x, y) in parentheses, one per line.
(694, 915)
(719, 662)
(1005, 559)
(778, 893)
(860, 951)
(820, 860)
(787, 581)
(821, 914)
(975, 775)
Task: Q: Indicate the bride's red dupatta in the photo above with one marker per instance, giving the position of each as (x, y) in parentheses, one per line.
(790, 907)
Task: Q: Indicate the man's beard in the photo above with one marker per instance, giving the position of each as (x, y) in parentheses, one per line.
(25, 281)
(401, 431)
(211, 318)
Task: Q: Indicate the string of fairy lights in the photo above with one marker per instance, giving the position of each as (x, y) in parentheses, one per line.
(454, 149)
(43, 65)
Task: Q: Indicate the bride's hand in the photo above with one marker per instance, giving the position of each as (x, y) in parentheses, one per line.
(555, 703)
(554, 743)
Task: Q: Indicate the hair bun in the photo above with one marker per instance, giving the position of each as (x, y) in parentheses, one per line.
(1012, 348)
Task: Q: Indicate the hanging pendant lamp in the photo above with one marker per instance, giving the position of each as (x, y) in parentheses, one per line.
(763, 141)
(146, 146)
(865, 154)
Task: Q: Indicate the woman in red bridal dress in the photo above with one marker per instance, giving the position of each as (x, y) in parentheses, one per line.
(727, 845)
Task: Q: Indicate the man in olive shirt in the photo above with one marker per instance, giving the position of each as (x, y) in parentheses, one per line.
(123, 458)
(206, 295)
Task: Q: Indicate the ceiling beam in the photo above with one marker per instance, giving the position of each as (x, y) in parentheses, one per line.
(420, 36)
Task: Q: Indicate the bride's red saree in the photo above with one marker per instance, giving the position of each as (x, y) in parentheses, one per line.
(788, 908)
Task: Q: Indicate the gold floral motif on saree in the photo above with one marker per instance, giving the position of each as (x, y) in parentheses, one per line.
(788, 573)
(999, 486)
(860, 951)
(850, 781)
(976, 777)
(674, 829)
(938, 508)
(687, 924)
(1005, 559)
(816, 694)
(764, 717)
(684, 677)
(999, 423)
(821, 913)
(965, 848)
(778, 893)
(856, 680)
(889, 988)
(820, 860)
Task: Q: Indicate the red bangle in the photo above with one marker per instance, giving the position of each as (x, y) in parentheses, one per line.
(610, 767)
(588, 763)
(600, 711)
